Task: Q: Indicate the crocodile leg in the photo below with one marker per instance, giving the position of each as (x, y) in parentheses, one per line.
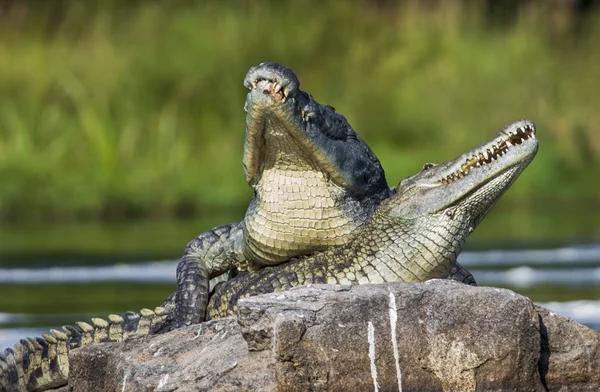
(460, 274)
(206, 256)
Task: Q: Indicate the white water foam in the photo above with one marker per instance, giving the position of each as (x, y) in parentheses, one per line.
(527, 276)
(8, 337)
(584, 311)
(6, 318)
(164, 271)
(158, 271)
(583, 254)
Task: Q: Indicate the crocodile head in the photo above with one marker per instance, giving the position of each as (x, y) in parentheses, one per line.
(286, 127)
(460, 192)
(315, 180)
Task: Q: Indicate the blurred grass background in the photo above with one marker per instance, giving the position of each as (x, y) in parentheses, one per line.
(128, 110)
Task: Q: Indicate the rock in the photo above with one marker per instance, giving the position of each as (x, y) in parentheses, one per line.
(570, 357)
(435, 336)
(196, 358)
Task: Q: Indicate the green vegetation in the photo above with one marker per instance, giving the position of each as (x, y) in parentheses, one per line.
(136, 111)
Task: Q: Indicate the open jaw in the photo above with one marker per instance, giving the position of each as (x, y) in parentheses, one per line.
(513, 135)
(478, 176)
(273, 88)
(285, 125)
(275, 105)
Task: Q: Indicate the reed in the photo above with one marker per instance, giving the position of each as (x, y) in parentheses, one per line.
(136, 111)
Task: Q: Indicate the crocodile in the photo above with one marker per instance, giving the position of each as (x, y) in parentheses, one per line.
(413, 236)
(315, 183)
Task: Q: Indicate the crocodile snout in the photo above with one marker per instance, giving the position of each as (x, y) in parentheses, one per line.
(272, 79)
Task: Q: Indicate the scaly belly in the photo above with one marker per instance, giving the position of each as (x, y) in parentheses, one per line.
(301, 212)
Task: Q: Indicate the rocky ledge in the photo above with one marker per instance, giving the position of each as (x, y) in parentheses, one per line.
(435, 336)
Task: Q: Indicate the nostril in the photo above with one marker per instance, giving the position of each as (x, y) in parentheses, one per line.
(266, 92)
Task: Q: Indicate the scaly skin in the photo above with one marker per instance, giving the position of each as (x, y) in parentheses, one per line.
(315, 183)
(315, 180)
(413, 236)
(36, 364)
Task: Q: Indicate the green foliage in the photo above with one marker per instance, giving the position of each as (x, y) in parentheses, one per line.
(137, 111)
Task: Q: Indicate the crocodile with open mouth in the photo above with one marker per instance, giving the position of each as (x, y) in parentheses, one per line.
(413, 236)
(315, 183)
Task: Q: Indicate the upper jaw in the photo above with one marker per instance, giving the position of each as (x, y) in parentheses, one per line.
(275, 95)
(513, 145)
(275, 90)
(275, 80)
(437, 187)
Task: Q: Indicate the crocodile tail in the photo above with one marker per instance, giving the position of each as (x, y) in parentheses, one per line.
(36, 364)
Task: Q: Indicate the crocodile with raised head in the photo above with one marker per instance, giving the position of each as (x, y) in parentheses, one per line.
(315, 183)
(415, 235)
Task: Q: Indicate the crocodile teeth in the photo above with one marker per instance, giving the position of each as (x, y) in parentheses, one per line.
(278, 88)
(497, 150)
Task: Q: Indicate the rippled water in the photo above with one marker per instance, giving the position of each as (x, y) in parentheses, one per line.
(532, 267)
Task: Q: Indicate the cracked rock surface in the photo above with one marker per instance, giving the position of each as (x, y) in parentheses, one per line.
(433, 336)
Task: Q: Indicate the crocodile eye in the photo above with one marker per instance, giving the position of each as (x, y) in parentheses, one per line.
(403, 183)
(428, 166)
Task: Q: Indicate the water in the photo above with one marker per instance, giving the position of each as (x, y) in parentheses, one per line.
(51, 276)
(536, 267)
